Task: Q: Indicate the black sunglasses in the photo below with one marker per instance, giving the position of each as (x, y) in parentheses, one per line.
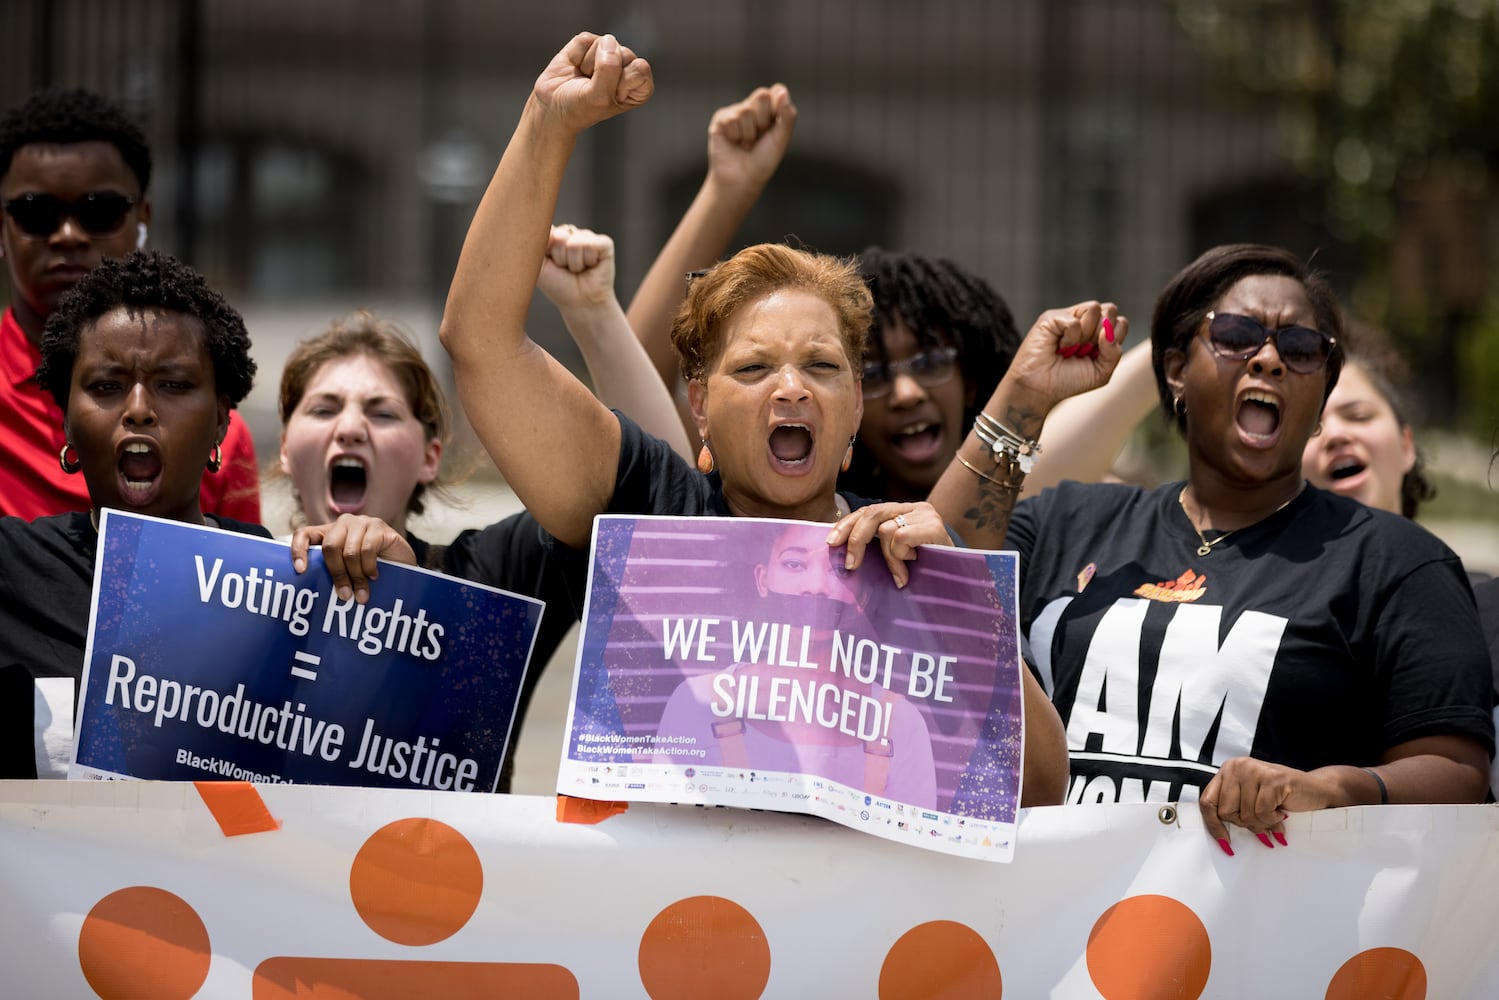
(1240, 338)
(98, 213)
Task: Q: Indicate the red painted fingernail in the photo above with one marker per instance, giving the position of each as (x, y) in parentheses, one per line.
(1223, 843)
(1092, 350)
(1280, 839)
(1265, 840)
(1108, 329)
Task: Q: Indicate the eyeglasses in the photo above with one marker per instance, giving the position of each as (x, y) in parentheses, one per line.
(98, 213)
(1240, 338)
(929, 368)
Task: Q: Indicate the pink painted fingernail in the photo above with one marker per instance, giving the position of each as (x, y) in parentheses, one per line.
(1265, 840)
(1223, 843)
(1280, 839)
(1108, 329)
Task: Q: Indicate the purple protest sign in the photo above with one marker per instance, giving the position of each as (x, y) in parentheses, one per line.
(734, 661)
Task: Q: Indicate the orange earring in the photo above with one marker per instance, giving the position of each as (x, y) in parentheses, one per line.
(705, 460)
(848, 457)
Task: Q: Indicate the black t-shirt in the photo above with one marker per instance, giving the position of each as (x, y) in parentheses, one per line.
(46, 586)
(1324, 634)
(1486, 593)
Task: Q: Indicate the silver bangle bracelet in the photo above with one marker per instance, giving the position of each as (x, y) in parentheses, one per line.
(1007, 447)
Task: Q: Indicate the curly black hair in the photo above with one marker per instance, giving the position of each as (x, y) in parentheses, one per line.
(74, 115)
(940, 302)
(146, 279)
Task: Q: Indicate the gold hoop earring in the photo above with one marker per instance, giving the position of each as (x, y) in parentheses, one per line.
(1178, 406)
(62, 459)
(705, 460)
(216, 460)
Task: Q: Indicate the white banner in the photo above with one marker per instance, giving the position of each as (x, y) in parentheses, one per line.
(134, 889)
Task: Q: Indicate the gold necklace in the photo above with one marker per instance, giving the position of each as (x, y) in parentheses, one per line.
(1207, 546)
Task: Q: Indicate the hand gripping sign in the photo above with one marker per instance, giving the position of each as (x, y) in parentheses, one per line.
(209, 658)
(734, 661)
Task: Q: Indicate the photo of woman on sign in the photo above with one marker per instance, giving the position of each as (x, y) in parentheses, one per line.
(798, 704)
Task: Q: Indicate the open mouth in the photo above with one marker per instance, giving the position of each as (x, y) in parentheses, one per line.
(140, 468)
(1345, 468)
(917, 442)
(791, 444)
(348, 479)
(1259, 416)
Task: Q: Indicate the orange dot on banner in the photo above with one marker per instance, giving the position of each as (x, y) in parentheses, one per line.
(1149, 948)
(704, 946)
(1379, 974)
(416, 881)
(144, 942)
(941, 960)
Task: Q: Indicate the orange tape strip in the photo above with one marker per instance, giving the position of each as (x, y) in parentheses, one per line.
(237, 806)
(587, 811)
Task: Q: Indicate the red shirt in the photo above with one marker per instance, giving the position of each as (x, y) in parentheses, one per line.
(32, 484)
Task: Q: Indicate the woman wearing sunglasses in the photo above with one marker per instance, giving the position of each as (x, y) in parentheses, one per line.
(74, 171)
(1240, 638)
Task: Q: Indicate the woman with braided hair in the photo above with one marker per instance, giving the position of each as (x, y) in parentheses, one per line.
(940, 341)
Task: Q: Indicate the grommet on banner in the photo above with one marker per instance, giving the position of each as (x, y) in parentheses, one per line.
(1166, 814)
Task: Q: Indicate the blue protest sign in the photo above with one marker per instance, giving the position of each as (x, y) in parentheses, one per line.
(210, 658)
